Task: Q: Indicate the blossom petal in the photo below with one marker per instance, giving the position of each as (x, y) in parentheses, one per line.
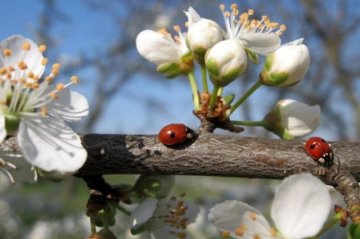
(143, 212)
(301, 206)
(192, 16)
(70, 106)
(32, 58)
(298, 118)
(51, 145)
(2, 128)
(261, 43)
(157, 48)
(232, 216)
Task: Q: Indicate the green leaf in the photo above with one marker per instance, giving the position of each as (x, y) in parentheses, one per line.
(253, 56)
(354, 231)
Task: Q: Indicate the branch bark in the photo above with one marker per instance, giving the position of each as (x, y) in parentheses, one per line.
(209, 155)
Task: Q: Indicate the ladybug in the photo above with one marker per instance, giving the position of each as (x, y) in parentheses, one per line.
(319, 150)
(175, 134)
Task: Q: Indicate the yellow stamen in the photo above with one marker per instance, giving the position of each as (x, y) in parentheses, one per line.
(26, 46)
(252, 216)
(49, 79)
(53, 95)
(44, 61)
(22, 65)
(7, 52)
(256, 236)
(3, 71)
(222, 7)
(60, 87)
(177, 28)
(163, 31)
(74, 79)
(225, 234)
(273, 232)
(240, 230)
(56, 66)
(251, 12)
(44, 111)
(42, 48)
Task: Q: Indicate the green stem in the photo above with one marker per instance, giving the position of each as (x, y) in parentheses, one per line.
(261, 123)
(251, 90)
(221, 90)
(214, 97)
(204, 79)
(194, 89)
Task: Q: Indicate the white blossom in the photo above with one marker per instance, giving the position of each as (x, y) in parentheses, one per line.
(291, 118)
(166, 218)
(202, 33)
(300, 209)
(287, 65)
(36, 110)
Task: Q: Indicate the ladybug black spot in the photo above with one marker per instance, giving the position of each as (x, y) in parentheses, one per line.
(312, 146)
(172, 135)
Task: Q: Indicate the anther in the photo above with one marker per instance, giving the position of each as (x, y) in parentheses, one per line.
(26, 46)
(6, 52)
(222, 7)
(44, 111)
(225, 234)
(22, 65)
(240, 230)
(176, 28)
(252, 216)
(53, 95)
(44, 61)
(74, 79)
(60, 87)
(42, 48)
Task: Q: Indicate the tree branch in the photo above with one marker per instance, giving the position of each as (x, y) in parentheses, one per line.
(209, 155)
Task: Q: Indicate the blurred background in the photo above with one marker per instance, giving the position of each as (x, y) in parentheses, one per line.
(95, 40)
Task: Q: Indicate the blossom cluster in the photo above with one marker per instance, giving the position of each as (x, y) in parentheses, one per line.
(223, 55)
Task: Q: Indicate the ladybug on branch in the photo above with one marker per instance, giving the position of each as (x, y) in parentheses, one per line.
(173, 135)
(319, 150)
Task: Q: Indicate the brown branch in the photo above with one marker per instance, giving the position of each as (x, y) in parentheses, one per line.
(209, 155)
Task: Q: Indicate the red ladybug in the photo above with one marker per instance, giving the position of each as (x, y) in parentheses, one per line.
(319, 150)
(175, 134)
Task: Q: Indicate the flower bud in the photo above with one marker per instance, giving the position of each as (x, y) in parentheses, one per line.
(157, 186)
(286, 66)
(202, 34)
(291, 118)
(225, 62)
(171, 57)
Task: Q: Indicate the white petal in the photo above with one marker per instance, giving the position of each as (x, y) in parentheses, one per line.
(298, 118)
(70, 106)
(192, 16)
(50, 145)
(157, 47)
(143, 212)
(32, 58)
(261, 43)
(230, 215)
(301, 206)
(2, 128)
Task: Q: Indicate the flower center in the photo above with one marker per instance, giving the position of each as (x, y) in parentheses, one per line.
(22, 89)
(238, 24)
